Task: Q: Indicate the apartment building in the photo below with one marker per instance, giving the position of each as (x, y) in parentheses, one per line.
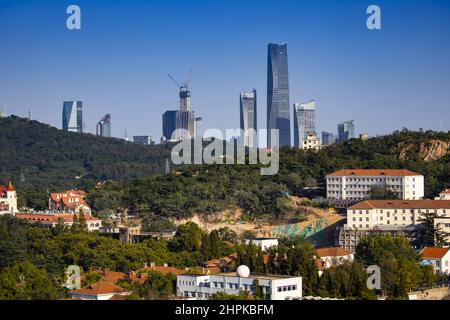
(275, 287)
(356, 184)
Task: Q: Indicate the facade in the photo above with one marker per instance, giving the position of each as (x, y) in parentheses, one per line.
(349, 238)
(72, 116)
(169, 124)
(248, 115)
(70, 201)
(356, 184)
(278, 115)
(51, 220)
(101, 290)
(371, 214)
(275, 287)
(263, 243)
(143, 140)
(439, 258)
(186, 125)
(304, 121)
(328, 138)
(8, 199)
(104, 126)
(346, 130)
(311, 142)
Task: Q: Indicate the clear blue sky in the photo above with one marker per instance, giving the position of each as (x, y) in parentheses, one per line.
(396, 77)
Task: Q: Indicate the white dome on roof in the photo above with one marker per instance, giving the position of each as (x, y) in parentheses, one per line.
(243, 271)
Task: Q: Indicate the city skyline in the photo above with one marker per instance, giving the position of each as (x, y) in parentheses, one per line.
(374, 77)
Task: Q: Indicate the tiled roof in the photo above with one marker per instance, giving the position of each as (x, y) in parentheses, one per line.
(374, 172)
(107, 275)
(166, 270)
(401, 204)
(332, 252)
(434, 253)
(101, 287)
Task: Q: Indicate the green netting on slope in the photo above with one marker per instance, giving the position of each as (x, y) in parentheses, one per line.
(292, 230)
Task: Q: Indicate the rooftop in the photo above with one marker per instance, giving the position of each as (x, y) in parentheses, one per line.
(434, 253)
(98, 288)
(332, 252)
(401, 204)
(373, 172)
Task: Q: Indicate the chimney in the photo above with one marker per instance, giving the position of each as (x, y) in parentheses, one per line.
(145, 265)
(106, 271)
(152, 264)
(165, 265)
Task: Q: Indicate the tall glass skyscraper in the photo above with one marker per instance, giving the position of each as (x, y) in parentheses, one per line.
(247, 101)
(104, 126)
(278, 115)
(304, 121)
(328, 138)
(346, 130)
(169, 124)
(72, 116)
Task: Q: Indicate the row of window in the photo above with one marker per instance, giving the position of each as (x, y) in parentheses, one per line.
(369, 179)
(399, 211)
(287, 288)
(381, 218)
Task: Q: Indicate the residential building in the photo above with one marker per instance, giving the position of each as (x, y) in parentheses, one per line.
(439, 258)
(333, 256)
(169, 124)
(101, 290)
(51, 220)
(70, 201)
(304, 121)
(372, 214)
(444, 195)
(346, 130)
(248, 115)
(278, 115)
(311, 142)
(263, 243)
(103, 128)
(8, 199)
(356, 184)
(274, 287)
(72, 116)
(328, 138)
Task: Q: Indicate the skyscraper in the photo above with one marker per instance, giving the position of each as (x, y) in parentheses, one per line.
(72, 116)
(248, 115)
(278, 115)
(346, 130)
(169, 124)
(104, 126)
(304, 121)
(328, 138)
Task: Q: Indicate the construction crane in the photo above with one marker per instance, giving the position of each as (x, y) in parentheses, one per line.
(186, 83)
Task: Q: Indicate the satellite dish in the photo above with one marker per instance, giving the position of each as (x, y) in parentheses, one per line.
(243, 271)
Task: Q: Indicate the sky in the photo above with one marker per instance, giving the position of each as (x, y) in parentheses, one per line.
(118, 62)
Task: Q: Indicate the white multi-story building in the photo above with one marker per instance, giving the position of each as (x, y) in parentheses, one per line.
(372, 214)
(8, 199)
(51, 220)
(275, 287)
(310, 142)
(356, 184)
(263, 243)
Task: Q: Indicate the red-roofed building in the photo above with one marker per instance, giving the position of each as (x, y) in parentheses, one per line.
(444, 195)
(101, 290)
(356, 184)
(8, 199)
(70, 202)
(439, 258)
(332, 256)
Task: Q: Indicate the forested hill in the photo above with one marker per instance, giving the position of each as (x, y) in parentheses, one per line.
(209, 189)
(37, 157)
